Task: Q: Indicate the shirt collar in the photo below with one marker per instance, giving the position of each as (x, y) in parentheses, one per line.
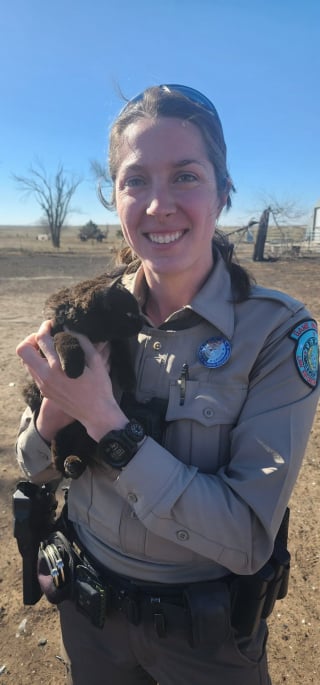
(213, 302)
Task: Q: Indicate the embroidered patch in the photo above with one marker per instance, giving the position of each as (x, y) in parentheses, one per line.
(214, 352)
(307, 350)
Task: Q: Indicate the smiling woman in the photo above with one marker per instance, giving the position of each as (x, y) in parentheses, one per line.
(178, 516)
(168, 205)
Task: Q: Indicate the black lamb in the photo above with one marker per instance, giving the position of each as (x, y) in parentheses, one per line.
(103, 310)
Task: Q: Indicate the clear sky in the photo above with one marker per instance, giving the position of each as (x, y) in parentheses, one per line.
(258, 60)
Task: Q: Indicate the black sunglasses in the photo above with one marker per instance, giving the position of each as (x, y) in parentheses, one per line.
(190, 93)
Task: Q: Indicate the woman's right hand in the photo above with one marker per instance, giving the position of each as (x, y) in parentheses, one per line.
(51, 419)
(88, 398)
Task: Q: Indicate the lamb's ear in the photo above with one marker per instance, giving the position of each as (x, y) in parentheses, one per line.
(70, 353)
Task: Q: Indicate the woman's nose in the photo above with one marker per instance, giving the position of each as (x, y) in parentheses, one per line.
(160, 203)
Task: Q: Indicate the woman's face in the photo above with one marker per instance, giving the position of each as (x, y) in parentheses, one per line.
(166, 196)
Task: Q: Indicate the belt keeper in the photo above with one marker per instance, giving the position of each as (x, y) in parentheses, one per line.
(159, 623)
(131, 610)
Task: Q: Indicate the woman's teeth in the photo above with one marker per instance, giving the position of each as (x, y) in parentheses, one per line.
(165, 238)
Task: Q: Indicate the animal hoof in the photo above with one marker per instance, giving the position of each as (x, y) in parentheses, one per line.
(74, 467)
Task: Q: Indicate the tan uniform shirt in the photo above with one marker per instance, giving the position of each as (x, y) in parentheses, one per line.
(210, 498)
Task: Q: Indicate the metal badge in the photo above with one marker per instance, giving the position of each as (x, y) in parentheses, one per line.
(214, 352)
(307, 350)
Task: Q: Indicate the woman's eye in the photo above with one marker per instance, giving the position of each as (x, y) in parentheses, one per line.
(133, 182)
(186, 178)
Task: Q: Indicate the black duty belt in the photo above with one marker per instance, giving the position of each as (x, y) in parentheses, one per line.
(207, 609)
(99, 592)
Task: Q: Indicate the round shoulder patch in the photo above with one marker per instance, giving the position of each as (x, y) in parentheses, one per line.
(307, 350)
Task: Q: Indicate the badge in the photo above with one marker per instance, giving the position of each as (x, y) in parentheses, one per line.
(307, 350)
(214, 352)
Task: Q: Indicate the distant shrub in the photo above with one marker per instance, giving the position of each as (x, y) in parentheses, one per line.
(91, 231)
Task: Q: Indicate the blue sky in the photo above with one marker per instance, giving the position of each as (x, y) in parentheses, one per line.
(259, 62)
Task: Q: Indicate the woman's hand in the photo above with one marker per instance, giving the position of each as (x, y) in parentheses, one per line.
(88, 398)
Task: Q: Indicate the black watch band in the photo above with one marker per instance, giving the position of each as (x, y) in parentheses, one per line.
(117, 447)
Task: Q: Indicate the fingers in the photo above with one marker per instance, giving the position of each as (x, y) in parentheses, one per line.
(29, 340)
(91, 351)
(28, 349)
(104, 350)
(45, 342)
(40, 358)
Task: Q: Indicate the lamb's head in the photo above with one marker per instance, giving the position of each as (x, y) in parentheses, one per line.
(101, 310)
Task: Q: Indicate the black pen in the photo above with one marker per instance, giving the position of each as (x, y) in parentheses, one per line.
(182, 382)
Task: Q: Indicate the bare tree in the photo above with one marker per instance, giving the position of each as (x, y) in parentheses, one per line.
(286, 209)
(53, 195)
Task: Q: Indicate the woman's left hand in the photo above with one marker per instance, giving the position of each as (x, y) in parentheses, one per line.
(88, 398)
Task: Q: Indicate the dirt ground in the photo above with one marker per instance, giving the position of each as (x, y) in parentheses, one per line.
(29, 636)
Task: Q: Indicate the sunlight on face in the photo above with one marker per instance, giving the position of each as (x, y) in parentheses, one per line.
(166, 196)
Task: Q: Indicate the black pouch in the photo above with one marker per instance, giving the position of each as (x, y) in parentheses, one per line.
(55, 568)
(249, 596)
(279, 588)
(208, 610)
(92, 597)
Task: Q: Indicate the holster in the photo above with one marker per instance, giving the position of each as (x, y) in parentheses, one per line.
(253, 597)
(208, 613)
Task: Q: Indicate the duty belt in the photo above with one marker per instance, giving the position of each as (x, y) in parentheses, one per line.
(98, 593)
(67, 571)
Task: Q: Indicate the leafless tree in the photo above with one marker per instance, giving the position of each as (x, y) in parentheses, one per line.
(287, 210)
(53, 195)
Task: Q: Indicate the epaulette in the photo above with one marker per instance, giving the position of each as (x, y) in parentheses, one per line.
(260, 293)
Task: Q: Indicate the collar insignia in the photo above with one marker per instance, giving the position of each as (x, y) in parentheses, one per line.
(307, 350)
(214, 352)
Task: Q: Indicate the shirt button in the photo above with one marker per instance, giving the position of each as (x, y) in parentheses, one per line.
(132, 498)
(182, 535)
(208, 413)
(157, 345)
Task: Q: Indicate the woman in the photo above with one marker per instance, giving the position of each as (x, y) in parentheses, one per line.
(189, 501)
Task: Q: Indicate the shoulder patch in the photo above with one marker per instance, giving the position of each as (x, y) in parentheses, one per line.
(305, 333)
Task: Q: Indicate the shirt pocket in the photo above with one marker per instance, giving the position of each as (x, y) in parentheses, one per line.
(199, 425)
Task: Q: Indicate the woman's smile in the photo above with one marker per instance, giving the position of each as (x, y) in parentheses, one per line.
(164, 238)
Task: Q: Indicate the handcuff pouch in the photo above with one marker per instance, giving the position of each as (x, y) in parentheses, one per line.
(55, 568)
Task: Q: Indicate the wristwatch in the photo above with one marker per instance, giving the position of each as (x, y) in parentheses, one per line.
(117, 447)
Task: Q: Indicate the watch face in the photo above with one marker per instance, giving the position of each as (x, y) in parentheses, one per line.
(117, 452)
(119, 446)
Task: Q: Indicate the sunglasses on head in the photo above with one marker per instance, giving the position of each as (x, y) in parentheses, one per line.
(190, 93)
